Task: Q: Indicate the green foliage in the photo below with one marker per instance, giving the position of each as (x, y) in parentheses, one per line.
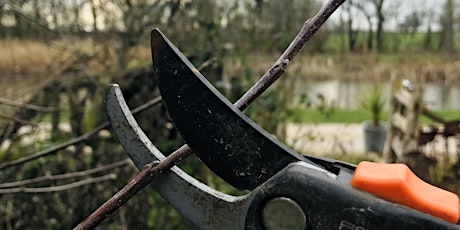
(311, 115)
(373, 102)
(268, 111)
(162, 215)
(326, 108)
(393, 42)
(94, 113)
(446, 114)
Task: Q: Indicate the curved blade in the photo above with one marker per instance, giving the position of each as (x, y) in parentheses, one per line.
(200, 204)
(228, 142)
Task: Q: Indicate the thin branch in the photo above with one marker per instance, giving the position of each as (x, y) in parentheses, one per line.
(28, 106)
(54, 148)
(75, 140)
(60, 187)
(64, 176)
(146, 105)
(18, 120)
(154, 170)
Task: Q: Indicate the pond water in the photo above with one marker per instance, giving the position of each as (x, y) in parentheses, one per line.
(346, 94)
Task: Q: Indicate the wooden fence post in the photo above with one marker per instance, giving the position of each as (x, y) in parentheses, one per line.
(405, 108)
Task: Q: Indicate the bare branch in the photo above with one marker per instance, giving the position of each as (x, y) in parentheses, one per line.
(60, 187)
(28, 106)
(18, 120)
(65, 176)
(55, 148)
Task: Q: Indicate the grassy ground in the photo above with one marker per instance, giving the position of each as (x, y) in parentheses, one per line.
(352, 116)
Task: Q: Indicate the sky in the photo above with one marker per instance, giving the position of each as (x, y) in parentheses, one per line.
(396, 11)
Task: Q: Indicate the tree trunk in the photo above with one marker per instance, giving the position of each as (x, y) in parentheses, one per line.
(351, 36)
(76, 16)
(380, 20)
(447, 28)
(3, 33)
(122, 53)
(94, 12)
(427, 39)
(54, 10)
(370, 35)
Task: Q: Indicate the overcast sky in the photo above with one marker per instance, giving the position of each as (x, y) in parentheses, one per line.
(398, 10)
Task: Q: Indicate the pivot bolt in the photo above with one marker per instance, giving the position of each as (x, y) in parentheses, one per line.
(283, 213)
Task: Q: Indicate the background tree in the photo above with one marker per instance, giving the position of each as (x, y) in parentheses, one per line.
(447, 21)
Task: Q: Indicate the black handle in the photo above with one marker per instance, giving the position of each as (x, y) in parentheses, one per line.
(329, 202)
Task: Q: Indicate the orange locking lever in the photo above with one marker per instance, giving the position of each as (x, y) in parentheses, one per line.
(397, 183)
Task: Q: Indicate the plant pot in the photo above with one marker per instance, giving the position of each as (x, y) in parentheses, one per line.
(374, 137)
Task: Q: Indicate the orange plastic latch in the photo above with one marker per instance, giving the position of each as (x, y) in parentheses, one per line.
(397, 183)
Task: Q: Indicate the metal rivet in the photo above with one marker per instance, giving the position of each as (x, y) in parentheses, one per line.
(283, 213)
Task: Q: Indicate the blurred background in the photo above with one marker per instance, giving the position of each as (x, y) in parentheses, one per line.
(59, 161)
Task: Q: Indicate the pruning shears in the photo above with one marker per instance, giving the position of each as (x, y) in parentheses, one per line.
(286, 190)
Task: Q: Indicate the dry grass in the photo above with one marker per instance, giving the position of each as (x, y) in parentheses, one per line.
(23, 57)
(27, 64)
(26, 57)
(356, 67)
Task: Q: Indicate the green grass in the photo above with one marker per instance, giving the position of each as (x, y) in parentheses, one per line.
(64, 116)
(392, 42)
(302, 115)
(448, 115)
(338, 116)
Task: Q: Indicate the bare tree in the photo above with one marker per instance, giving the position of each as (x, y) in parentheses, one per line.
(361, 6)
(378, 7)
(348, 7)
(373, 12)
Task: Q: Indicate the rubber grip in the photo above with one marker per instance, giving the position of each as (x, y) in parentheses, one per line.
(397, 183)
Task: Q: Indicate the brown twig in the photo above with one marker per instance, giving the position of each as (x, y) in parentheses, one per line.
(142, 179)
(75, 140)
(152, 171)
(65, 175)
